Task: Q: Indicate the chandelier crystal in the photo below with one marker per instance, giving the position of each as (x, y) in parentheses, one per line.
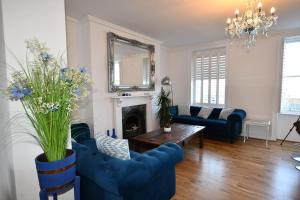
(251, 24)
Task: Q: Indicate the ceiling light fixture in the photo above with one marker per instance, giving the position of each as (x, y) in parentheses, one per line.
(251, 24)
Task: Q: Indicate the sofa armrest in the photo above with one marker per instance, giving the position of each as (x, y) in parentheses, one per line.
(91, 143)
(174, 110)
(235, 123)
(237, 115)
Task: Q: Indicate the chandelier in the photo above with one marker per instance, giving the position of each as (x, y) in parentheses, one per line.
(251, 24)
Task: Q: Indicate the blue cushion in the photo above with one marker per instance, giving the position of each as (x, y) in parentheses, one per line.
(215, 113)
(194, 110)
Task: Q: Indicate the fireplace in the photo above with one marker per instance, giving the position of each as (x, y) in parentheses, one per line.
(133, 120)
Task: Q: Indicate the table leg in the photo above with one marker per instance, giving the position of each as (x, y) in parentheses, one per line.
(201, 139)
(267, 136)
(245, 133)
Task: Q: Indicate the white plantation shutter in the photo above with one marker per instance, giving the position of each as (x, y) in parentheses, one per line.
(290, 95)
(209, 69)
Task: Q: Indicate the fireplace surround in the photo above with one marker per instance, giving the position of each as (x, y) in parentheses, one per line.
(120, 102)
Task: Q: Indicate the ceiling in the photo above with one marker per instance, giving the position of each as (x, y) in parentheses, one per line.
(179, 22)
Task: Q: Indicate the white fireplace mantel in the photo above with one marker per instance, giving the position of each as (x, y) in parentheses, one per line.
(124, 101)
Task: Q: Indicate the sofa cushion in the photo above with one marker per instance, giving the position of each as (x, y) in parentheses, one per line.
(205, 112)
(225, 113)
(184, 110)
(215, 113)
(185, 119)
(117, 148)
(194, 110)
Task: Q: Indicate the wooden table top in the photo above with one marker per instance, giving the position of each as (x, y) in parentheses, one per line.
(179, 133)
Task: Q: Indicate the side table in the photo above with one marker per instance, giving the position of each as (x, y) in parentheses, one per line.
(262, 123)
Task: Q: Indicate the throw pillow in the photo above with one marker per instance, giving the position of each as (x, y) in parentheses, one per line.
(225, 113)
(184, 110)
(205, 112)
(117, 148)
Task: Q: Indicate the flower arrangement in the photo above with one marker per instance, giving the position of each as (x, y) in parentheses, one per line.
(49, 94)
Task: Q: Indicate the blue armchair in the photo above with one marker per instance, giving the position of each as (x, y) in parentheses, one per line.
(148, 176)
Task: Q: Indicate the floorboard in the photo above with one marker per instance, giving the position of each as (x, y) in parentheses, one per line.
(238, 171)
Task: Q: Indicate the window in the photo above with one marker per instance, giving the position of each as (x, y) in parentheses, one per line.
(290, 94)
(208, 84)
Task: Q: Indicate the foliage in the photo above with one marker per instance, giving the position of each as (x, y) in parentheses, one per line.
(164, 104)
(49, 94)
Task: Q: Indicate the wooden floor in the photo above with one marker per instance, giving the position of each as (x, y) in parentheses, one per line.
(238, 171)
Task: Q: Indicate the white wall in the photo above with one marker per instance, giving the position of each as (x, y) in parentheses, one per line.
(7, 183)
(23, 20)
(91, 40)
(253, 81)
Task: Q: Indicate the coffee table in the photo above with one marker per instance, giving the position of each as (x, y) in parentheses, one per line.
(180, 134)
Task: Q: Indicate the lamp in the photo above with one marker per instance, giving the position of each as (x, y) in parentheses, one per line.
(167, 82)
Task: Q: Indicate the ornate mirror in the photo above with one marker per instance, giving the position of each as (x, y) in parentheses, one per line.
(131, 64)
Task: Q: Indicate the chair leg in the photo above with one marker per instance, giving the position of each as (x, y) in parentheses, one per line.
(43, 195)
(77, 188)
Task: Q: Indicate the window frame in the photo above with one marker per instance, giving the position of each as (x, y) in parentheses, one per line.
(287, 38)
(192, 90)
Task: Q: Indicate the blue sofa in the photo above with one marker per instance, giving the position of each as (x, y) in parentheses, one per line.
(230, 128)
(148, 176)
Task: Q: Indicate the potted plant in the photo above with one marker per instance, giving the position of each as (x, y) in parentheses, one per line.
(49, 94)
(163, 113)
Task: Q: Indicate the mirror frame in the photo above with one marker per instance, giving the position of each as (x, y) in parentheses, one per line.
(111, 38)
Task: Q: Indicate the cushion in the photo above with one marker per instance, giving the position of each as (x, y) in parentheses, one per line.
(117, 148)
(215, 113)
(205, 112)
(194, 110)
(184, 110)
(225, 113)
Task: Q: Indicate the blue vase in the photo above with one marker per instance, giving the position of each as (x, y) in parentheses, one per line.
(114, 134)
(58, 176)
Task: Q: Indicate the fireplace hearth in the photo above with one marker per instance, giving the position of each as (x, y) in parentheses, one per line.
(133, 120)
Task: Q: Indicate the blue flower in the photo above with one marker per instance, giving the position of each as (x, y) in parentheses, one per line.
(16, 94)
(45, 56)
(27, 91)
(82, 70)
(53, 107)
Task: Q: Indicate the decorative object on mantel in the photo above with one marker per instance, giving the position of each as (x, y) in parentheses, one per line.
(49, 94)
(167, 82)
(163, 114)
(251, 24)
